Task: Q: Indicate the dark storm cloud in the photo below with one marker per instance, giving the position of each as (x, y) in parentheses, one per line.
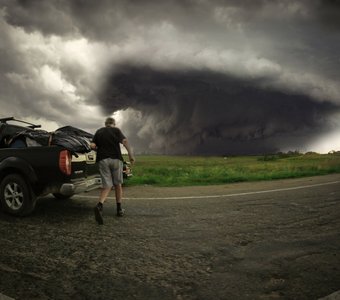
(108, 20)
(329, 13)
(207, 112)
(195, 76)
(19, 90)
(47, 17)
(35, 77)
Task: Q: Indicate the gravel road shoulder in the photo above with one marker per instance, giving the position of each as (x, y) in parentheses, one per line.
(282, 244)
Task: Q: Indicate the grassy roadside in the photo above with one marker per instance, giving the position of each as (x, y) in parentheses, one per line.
(189, 170)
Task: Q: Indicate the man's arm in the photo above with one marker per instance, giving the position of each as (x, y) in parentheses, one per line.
(93, 146)
(93, 143)
(128, 149)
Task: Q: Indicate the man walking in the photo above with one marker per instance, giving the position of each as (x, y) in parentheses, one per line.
(107, 142)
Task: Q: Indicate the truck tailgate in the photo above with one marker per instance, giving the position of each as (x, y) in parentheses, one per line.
(84, 165)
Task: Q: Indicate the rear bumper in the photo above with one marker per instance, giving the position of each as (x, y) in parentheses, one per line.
(80, 186)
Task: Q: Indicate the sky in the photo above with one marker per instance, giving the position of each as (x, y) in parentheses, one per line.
(191, 77)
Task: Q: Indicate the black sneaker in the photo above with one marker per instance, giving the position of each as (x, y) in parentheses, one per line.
(120, 212)
(98, 215)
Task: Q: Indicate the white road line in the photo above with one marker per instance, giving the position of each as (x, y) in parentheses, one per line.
(221, 196)
(4, 297)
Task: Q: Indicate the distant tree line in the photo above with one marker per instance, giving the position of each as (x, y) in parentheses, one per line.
(278, 155)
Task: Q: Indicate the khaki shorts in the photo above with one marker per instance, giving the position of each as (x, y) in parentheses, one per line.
(111, 172)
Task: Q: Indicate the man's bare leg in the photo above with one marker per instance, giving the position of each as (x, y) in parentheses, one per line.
(99, 207)
(103, 194)
(119, 196)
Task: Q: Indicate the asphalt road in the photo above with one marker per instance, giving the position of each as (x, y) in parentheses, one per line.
(264, 240)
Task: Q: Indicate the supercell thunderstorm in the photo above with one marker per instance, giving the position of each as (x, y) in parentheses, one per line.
(186, 77)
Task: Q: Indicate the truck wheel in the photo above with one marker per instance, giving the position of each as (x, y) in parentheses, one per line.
(17, 197)
(61, 196)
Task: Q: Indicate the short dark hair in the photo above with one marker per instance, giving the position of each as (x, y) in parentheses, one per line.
(110, 121)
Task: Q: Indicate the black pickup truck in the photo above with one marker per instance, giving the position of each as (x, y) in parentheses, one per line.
(30, 170)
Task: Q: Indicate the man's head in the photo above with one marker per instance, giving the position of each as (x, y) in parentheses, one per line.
(110, 122)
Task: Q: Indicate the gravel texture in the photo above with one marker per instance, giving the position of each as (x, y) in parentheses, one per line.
(281, 244)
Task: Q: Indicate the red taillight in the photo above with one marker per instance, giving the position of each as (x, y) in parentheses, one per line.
(65, 162)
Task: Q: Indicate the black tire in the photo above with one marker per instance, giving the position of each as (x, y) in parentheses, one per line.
(61, 196)
(16, 195)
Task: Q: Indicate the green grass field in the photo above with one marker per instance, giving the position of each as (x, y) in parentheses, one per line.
(190, 170)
